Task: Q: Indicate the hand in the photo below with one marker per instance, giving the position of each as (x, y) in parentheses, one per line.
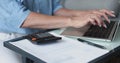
(98, 15)
(80, 21)
(104, 13)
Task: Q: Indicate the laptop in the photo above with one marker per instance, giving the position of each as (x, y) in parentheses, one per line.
(92, 32)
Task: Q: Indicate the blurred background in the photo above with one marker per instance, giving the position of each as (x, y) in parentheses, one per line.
(88, 4)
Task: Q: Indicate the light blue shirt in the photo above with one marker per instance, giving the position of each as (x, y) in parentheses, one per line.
(14, 12)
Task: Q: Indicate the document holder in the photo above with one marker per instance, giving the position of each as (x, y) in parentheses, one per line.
(29, 58)
(26, 57)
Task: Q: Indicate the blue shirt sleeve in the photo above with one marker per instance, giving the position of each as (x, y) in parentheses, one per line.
(57, 5)
(13, 13)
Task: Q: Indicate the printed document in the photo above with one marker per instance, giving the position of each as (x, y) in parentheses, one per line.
(63, 51)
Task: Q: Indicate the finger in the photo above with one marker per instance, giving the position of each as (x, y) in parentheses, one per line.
(104, 25)
(92, 21)
(106, 18)
(111, 13)
(101, 14)
(98, 21)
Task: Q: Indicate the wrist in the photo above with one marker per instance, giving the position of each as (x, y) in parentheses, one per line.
(69, 22)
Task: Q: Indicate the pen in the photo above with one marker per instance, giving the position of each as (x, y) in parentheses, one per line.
(90, 43)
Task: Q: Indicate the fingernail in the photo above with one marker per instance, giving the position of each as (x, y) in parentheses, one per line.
(104, 26)
(108, 20)
(113, 15)
(112, 11)
(94, 24)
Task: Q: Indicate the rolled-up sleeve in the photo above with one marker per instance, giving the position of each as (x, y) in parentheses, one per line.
(13, 14)
(57, 5)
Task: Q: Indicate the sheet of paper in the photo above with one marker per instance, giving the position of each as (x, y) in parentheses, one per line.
(63, 51)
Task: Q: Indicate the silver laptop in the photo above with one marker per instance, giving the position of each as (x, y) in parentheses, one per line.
(94, 32)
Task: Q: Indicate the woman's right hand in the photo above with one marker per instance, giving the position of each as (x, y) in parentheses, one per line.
(80, 21)
(95, 17)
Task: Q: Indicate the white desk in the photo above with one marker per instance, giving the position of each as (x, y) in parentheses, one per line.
(109, 45)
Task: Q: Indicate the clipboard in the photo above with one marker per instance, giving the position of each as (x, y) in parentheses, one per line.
(28, 57)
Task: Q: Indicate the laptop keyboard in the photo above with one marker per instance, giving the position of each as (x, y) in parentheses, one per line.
(100, 32)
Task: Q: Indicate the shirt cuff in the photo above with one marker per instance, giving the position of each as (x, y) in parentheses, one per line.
(57, 8)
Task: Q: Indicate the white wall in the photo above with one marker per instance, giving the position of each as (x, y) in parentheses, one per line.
(88, 4)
